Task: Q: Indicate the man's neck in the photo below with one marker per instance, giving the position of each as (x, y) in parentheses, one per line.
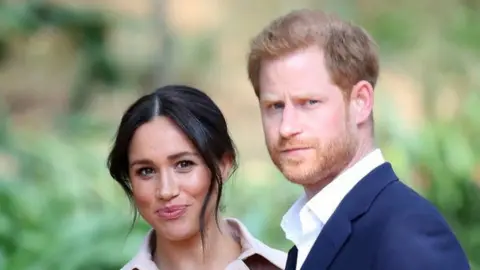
(363, 150)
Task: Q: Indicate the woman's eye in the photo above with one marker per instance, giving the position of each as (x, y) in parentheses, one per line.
(312, 102)
(144, 172)
(184, 165)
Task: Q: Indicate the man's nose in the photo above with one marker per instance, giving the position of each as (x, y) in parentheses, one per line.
(290, 125)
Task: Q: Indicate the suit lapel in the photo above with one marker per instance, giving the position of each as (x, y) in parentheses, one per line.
(339, 227)
(328, 243)
(292, 259)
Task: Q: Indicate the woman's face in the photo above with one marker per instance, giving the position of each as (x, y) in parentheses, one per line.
(169, 180)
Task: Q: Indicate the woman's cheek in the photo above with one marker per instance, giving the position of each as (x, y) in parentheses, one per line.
(143, 194)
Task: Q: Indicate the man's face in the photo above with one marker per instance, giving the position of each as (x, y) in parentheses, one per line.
(307, 120)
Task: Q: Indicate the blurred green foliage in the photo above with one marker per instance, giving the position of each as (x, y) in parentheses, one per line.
(87, 29)
(54, 214)
(59, 209)
(446, 159)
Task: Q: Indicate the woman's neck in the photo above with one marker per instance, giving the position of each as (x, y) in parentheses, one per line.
(190, 254)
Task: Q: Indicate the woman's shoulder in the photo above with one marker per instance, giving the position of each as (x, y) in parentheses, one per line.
(252, 246)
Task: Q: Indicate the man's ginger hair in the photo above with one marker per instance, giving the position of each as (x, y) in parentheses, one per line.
(350, 53)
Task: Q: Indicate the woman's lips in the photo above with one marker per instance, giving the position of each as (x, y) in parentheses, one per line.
(172, 212)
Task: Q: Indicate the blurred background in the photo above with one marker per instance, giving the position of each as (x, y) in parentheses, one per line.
(69, 69)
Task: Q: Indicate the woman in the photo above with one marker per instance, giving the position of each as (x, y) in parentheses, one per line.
(172, 155)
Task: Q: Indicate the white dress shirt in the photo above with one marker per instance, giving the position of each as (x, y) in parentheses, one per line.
(304, 221)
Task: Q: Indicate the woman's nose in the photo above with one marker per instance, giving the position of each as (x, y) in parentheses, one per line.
(167, 188)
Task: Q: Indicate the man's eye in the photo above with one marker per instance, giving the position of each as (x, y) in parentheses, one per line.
(313, 102)
(277, 106)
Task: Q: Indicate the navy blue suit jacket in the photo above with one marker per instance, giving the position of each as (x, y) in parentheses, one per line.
(382, 224)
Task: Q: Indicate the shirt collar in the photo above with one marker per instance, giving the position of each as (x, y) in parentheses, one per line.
(143, 259)
(324, 203)
(250, 246)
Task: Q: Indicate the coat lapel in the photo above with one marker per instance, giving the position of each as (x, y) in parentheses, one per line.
(339, 227)
(328, 243)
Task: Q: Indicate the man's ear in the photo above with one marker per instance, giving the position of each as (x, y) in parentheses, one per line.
(361, 102)
(226, 166)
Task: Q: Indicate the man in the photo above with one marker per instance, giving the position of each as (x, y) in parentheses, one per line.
(314, 75)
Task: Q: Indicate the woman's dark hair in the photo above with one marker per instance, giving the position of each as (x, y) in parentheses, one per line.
(197, 116)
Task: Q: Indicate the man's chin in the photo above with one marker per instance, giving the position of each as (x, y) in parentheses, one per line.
(298, 176)
(300, 181)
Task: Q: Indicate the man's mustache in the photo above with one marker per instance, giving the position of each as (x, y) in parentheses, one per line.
(295, 144)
